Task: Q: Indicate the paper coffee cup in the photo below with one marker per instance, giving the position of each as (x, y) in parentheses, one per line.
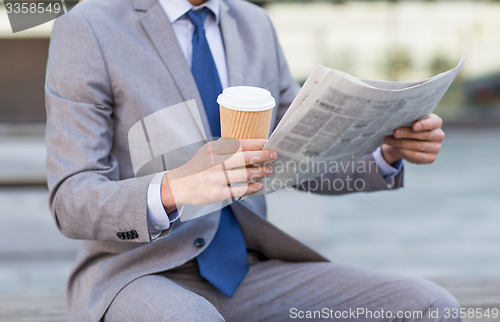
(245, 112)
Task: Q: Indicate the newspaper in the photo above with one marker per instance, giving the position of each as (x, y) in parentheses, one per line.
(338, 117)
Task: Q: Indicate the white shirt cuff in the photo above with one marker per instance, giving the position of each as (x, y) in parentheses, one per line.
(158, 219)
(386, 170)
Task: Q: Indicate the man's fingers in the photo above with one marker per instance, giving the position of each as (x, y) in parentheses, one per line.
(417, 157)
(420, 129)
(242, 190)
(428, 124)
(248, 174)
(409, 133)
(252, 144)
(253, 187)
(217, 152)
(250, 157)
(224, 146)
(417, 145)
(238, 190)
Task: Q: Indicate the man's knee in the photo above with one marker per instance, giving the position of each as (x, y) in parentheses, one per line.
(195, 309)
(445, 307)
(156, 298)
(435, 303)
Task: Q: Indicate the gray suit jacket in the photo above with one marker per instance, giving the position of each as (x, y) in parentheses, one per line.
(112, 63)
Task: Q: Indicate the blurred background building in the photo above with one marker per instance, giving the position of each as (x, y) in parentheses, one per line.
(444, 223)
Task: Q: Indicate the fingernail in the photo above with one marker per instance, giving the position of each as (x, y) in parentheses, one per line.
(273, 155)
(399, 133)
(260, 185)
(418, 127)
(269, 169)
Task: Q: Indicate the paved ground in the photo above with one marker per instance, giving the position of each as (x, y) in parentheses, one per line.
(443, 225)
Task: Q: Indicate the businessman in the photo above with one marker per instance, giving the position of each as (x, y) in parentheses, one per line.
(111, 64)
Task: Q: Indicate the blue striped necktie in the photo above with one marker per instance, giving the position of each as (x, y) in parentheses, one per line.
(224, 263)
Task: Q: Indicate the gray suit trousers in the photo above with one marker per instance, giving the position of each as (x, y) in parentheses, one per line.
(293, 291)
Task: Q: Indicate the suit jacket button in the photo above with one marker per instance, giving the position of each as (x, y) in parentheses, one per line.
(120, 235)
(199, 242)
(134, 234)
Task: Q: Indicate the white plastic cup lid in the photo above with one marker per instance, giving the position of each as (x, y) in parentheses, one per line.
(246, 98)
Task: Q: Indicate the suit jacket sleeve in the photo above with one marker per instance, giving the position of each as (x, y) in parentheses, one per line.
(88, 199)
(359, 175)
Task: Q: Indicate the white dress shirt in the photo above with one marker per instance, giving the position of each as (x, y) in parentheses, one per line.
(183, 28)
(176, 11)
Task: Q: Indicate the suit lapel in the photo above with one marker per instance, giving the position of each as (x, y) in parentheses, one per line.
(234, 47)
(161, 34)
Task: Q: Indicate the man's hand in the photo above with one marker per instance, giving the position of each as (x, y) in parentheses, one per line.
(209, 177)
(419, 144)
